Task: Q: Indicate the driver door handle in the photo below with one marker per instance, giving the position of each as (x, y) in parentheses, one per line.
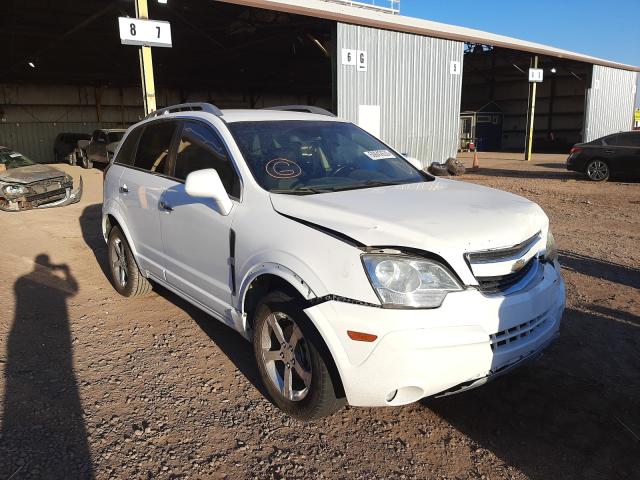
(124, 188)
(165, 206)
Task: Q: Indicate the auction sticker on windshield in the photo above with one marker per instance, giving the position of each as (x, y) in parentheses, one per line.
(379, 154)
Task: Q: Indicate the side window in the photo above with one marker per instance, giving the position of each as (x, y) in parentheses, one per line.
(200, 147)
(629, 140)
(102, 137)
(94, 137)
(154, 145)
(612, 140)
(127, 150)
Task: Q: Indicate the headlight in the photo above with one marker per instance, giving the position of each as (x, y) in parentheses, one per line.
(551, 251)
(402, 281)
(14, 190)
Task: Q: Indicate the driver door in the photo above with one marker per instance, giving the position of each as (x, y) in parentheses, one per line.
(195, 235)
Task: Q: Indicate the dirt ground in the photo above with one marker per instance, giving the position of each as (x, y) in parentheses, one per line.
(95, 385)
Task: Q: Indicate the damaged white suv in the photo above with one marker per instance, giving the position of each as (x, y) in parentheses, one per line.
(357, 277)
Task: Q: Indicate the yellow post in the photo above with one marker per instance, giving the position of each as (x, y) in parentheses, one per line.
(146, 65)
(532, 114)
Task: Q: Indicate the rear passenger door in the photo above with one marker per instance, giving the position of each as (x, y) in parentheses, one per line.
(141, 186)
(196, 236)
(629, 146)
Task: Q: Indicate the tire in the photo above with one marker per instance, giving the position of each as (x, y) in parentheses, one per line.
(86, 162)
(597, 170)
(126, 277)
(438, 169)
(279, 318)
(455, 167)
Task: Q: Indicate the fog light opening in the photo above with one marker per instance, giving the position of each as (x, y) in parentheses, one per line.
(391, 395)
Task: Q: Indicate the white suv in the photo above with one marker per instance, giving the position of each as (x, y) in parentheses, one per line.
(357, 276)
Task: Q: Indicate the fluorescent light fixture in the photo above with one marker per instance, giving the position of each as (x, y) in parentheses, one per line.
(31, 64)
(162, 1)
(553, 70)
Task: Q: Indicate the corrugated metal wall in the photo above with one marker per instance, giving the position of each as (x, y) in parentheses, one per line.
(35, 140)
(610, 102)
(409, 77)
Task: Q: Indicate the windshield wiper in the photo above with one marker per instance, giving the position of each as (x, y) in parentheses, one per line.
(367, 184)
(305, 190)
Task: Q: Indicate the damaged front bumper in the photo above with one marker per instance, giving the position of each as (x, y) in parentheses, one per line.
(58, 198)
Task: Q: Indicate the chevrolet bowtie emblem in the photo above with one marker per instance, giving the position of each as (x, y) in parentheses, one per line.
(518, 265)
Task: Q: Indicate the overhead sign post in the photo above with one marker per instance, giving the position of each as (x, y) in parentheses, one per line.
(145, 33)
(535, 76)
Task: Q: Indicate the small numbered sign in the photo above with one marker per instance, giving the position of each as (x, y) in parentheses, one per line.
(150, 33)
(349, 57)
(362, 61)
(536, 75)
(454, 67)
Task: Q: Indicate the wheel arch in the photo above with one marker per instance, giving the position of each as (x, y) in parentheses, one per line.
(281, 278)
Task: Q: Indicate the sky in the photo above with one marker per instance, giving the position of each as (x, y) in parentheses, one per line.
(609, 30)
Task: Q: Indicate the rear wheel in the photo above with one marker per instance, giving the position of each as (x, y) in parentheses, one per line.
(597, 170)
(126, 277)
(291, 367)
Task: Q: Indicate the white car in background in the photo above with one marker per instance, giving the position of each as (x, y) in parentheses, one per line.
(357, 277)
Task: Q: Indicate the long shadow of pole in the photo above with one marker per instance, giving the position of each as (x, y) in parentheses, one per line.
(43, 432)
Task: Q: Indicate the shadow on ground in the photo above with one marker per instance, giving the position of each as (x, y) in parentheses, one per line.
(43, 431)
(91, 227)
(601, 269)
(233, 345)
(574, 413)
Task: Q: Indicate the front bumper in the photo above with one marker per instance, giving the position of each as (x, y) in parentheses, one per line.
(46, 200)
(419, 353)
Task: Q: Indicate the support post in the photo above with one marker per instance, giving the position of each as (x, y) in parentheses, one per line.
(146, 65)
(531, 115)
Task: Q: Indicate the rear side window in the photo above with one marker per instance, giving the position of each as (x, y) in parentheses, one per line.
(127, 151)
(154, 145)
(629, 140)
(200, 147)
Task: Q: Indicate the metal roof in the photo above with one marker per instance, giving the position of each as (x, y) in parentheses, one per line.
(376, 19)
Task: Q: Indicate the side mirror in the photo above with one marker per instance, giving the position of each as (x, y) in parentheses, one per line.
(207, 184)
(414, 161)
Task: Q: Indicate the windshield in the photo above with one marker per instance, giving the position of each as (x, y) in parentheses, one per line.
(306, 157)
(11, 159)
(115, 136)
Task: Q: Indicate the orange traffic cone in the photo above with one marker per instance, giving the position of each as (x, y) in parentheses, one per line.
(476, 164)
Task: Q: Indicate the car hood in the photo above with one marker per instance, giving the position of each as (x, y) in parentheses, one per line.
(30, 174)
(445, 217)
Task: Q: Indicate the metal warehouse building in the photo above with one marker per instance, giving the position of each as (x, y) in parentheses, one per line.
(411, 81)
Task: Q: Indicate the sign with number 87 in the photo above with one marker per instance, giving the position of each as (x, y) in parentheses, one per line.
(143, 32)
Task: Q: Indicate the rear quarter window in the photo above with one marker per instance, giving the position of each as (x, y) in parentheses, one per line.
(153, 147)
(127, 151)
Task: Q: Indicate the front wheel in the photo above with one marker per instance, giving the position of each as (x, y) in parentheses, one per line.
(291, 367)
(125, 274)
(597, 170)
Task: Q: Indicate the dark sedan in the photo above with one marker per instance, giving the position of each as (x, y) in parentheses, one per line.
(616, 155)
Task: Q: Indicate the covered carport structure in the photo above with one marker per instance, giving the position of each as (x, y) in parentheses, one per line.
(65, 70)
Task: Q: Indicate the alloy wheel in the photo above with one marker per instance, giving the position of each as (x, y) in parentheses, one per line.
(119, 262)
(597, 170)
(285, 356)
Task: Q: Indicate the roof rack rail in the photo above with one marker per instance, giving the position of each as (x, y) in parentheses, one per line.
(302, 108)
(187, 107)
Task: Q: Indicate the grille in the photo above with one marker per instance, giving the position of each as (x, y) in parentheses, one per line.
(503, 253)
(512, 335)
(47, 196)
(505, 282)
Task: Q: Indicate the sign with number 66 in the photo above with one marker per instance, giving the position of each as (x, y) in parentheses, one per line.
(150, 33)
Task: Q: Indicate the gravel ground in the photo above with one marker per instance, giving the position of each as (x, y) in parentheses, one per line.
(97, 386)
